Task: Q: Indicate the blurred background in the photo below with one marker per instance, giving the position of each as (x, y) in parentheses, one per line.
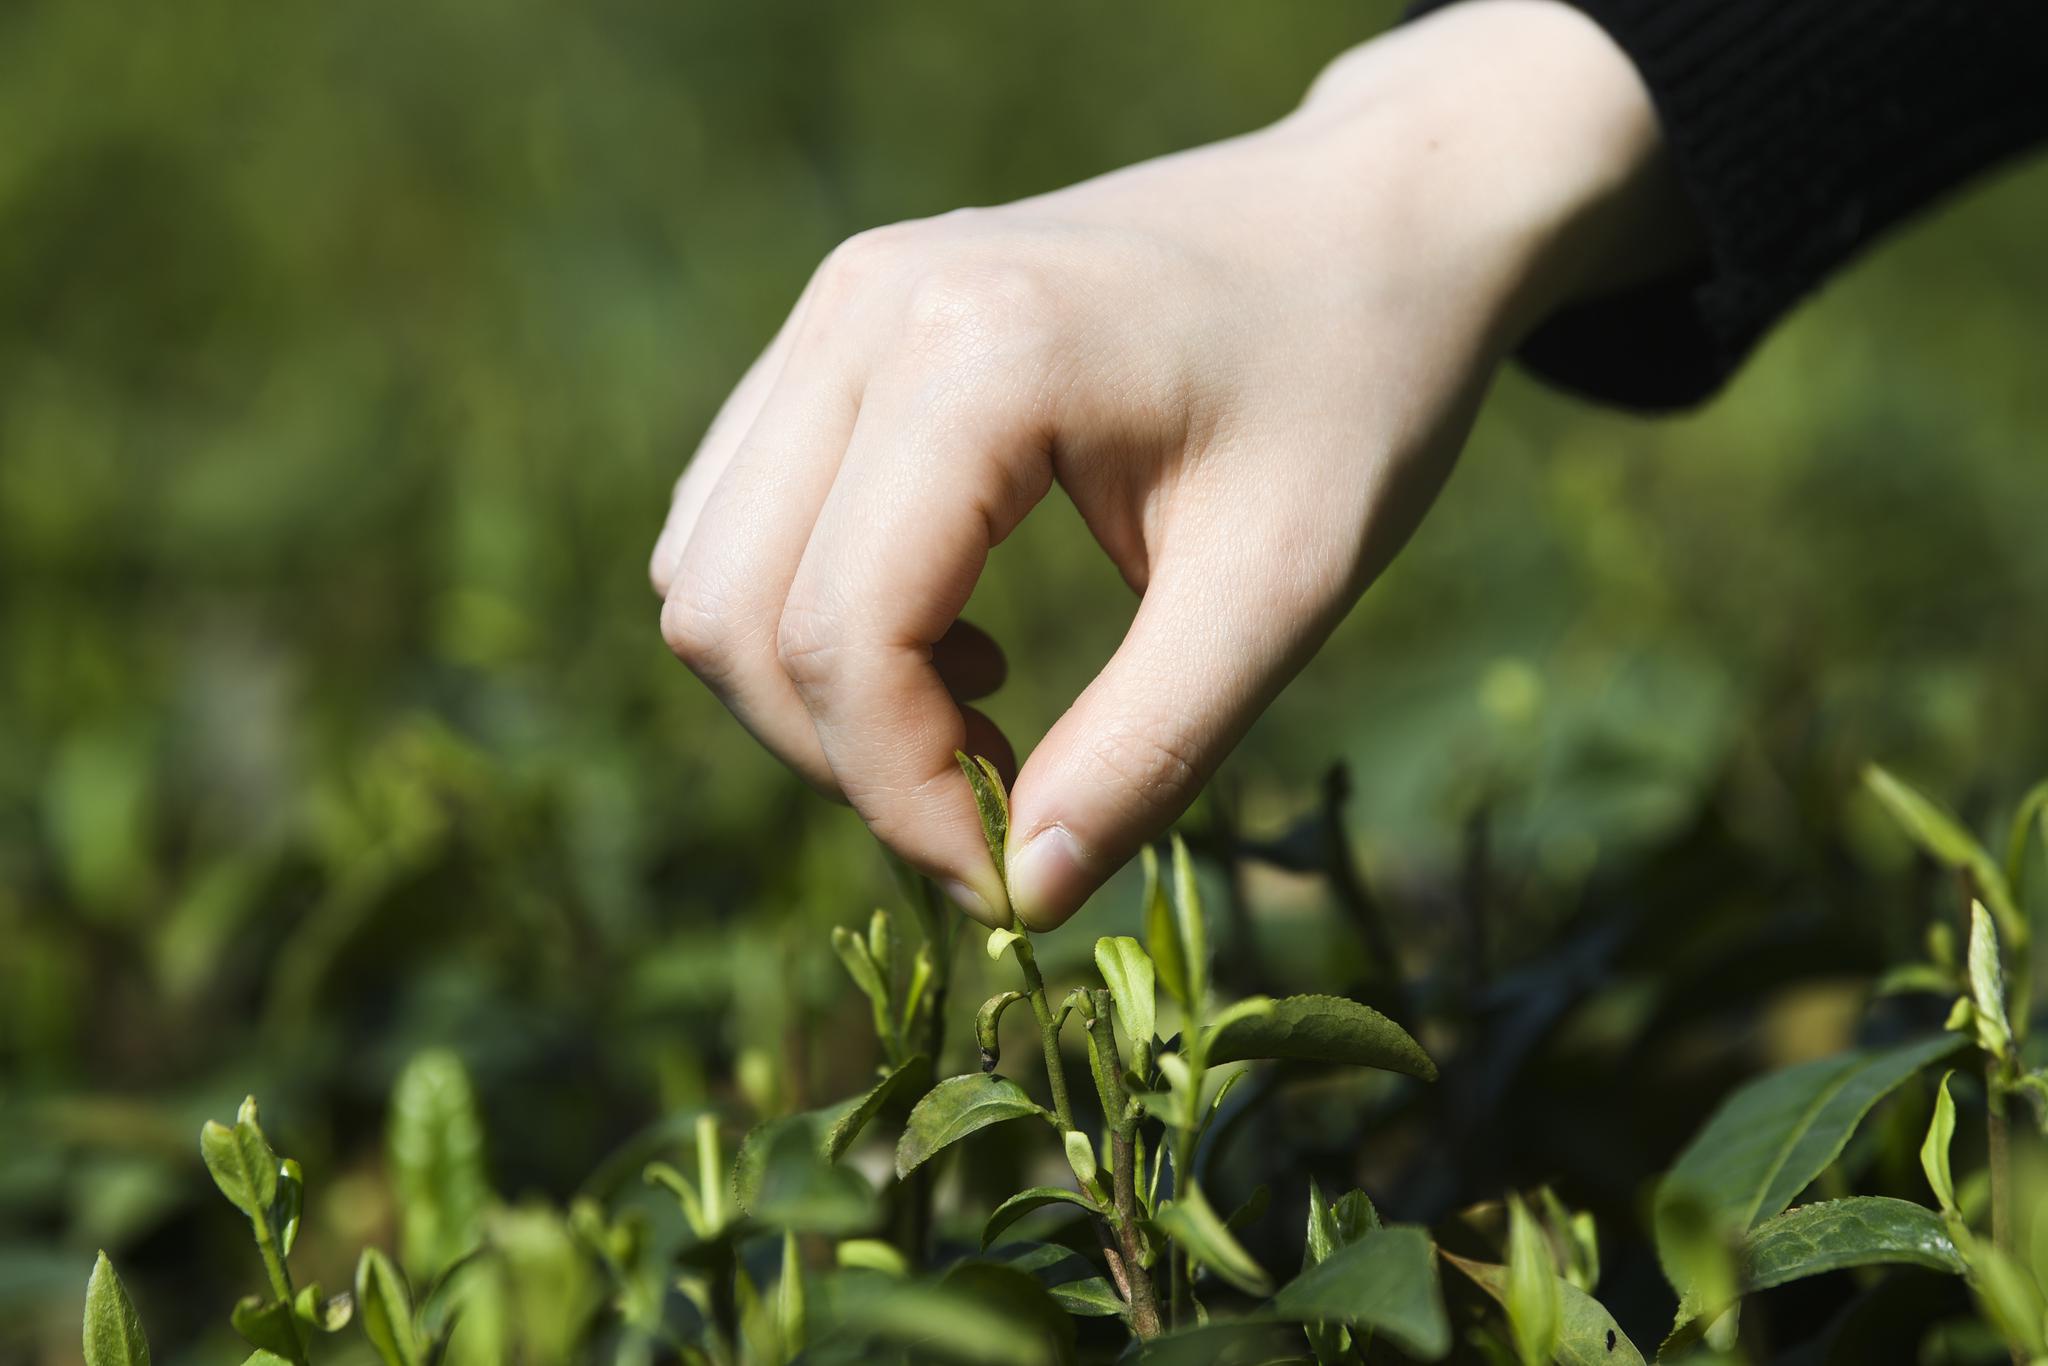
(347, 354)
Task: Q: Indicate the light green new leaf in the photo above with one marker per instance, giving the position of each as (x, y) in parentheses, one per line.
(1128, 974)
(264, 1359)
(1080, 1156)
(1534, 1303)
(436, 1141)
(1192, 927)
(1944, 837)
(315, 1308)
(1863, 1230)
(853, 953)
(1587, 1334)
(289, 1205)
(955, 1108)
(991, 802)
(1987, 984)
(241, 1162)
(1321, 1029)
(1025, 1201)
(2009, 1297)
(1190, 1222)
(384, 1306)
(1335, 1225)
(847, 1123)
(1386, 1281)
(999, 940)
(1162, 936)
(113, 1332)
(1773, 1136)
(1941, 1131)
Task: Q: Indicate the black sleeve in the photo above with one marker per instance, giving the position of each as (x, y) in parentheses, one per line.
(1800, 130)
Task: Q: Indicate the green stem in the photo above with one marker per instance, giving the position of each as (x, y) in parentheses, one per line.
(280, 1280)
(1107, 1064)
(1048, 1032)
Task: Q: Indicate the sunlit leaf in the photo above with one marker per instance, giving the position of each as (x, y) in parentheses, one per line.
(955, 1108)
(990, 802)
(1934, 1149)
(2009, 1297)
(266, 1324)
(241, 1162)
(1987, 984)
(871, 1254)
(1330, 1029)
(1534, 1304)
(1587, 1334)
(845, 1127)
(329, 1314)
(1128, 973)
(1162, 936)
(1190, 1222)
(113, 1332)
(1945, 838)
(436, 1141)
(1080, 1156)
(1385, 1281)
(384, 1306)
(1192, 926)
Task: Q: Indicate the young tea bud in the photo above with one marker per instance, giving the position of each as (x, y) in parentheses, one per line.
(985, 1023)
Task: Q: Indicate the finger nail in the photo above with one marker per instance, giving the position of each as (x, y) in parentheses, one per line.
(1049, 878)
(971, 901)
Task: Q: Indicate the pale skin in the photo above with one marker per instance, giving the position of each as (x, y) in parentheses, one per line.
(1250, 366)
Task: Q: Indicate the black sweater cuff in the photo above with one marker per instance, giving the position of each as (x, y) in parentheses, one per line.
(1800, 130)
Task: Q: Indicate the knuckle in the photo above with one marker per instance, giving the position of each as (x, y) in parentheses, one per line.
(697, 631)
(855, 263)
(980, 308)
(807, 645)
(1153, 767)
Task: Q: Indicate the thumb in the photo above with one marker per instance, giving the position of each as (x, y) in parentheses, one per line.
(1210, 647)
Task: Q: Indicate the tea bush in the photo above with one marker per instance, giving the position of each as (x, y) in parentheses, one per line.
(792, 1250)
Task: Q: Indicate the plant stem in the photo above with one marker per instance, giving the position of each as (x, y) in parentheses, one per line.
(1108, 1067)
(280, 1279)
(1998, 1129)
(1048, 1032)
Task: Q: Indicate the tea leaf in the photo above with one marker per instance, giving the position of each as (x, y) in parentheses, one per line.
(1000, 939)
(871, 1254)
(991, 803)
(1321, 1029)
(1863, 1230)
(1334, 1226)
(329, 1315)
(1128, 974)
(992, 1314)
(264, 1359)
(845, 1128)
(241, 1162)
(1229, 1342)
(802, 1191)
(266, 1324)
(1941, 1131)
(987, 1027)
(2009, 1297)
(1944, 837)
(1587, 1334)
(1533, 1303)
(1073, 1283)
(1189, 1221)
(1162, 937)
(113, 1332)
(955, 1108)
(1192, 926)
(289, 1205)
(436, 1141)
(1023, 1203)
(1386, 1281)
(1768, 1140)
(385, 1307)
(789, 1297)
(1987, 984)
(853, 952)
(1089, 1298)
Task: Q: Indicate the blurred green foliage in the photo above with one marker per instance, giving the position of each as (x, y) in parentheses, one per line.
(346, 356)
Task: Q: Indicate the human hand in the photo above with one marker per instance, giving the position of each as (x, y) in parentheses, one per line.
(1250, 366)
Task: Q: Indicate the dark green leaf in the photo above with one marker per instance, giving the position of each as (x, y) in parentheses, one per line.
(1189, 1221)
(436, 1141)
(802, 1191)
(242, 1164)
(1773, 1136)
(1322, 1029)
(1073, 1283)
(1162, 936)
(846, 1127)
(1587, 1334)
(751, 1162)
(1863, 1230)
(1386, 1281)
(1025, 1201)
(266, 1324)
(113, 1332)
(1229, 1342)
(384, 1306)
(955, 1108)
(990, 802)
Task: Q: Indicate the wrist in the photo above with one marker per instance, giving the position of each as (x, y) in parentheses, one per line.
(1524, 144)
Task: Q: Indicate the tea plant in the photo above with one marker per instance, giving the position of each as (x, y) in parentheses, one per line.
(1724, 1223)
(785, 1247)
